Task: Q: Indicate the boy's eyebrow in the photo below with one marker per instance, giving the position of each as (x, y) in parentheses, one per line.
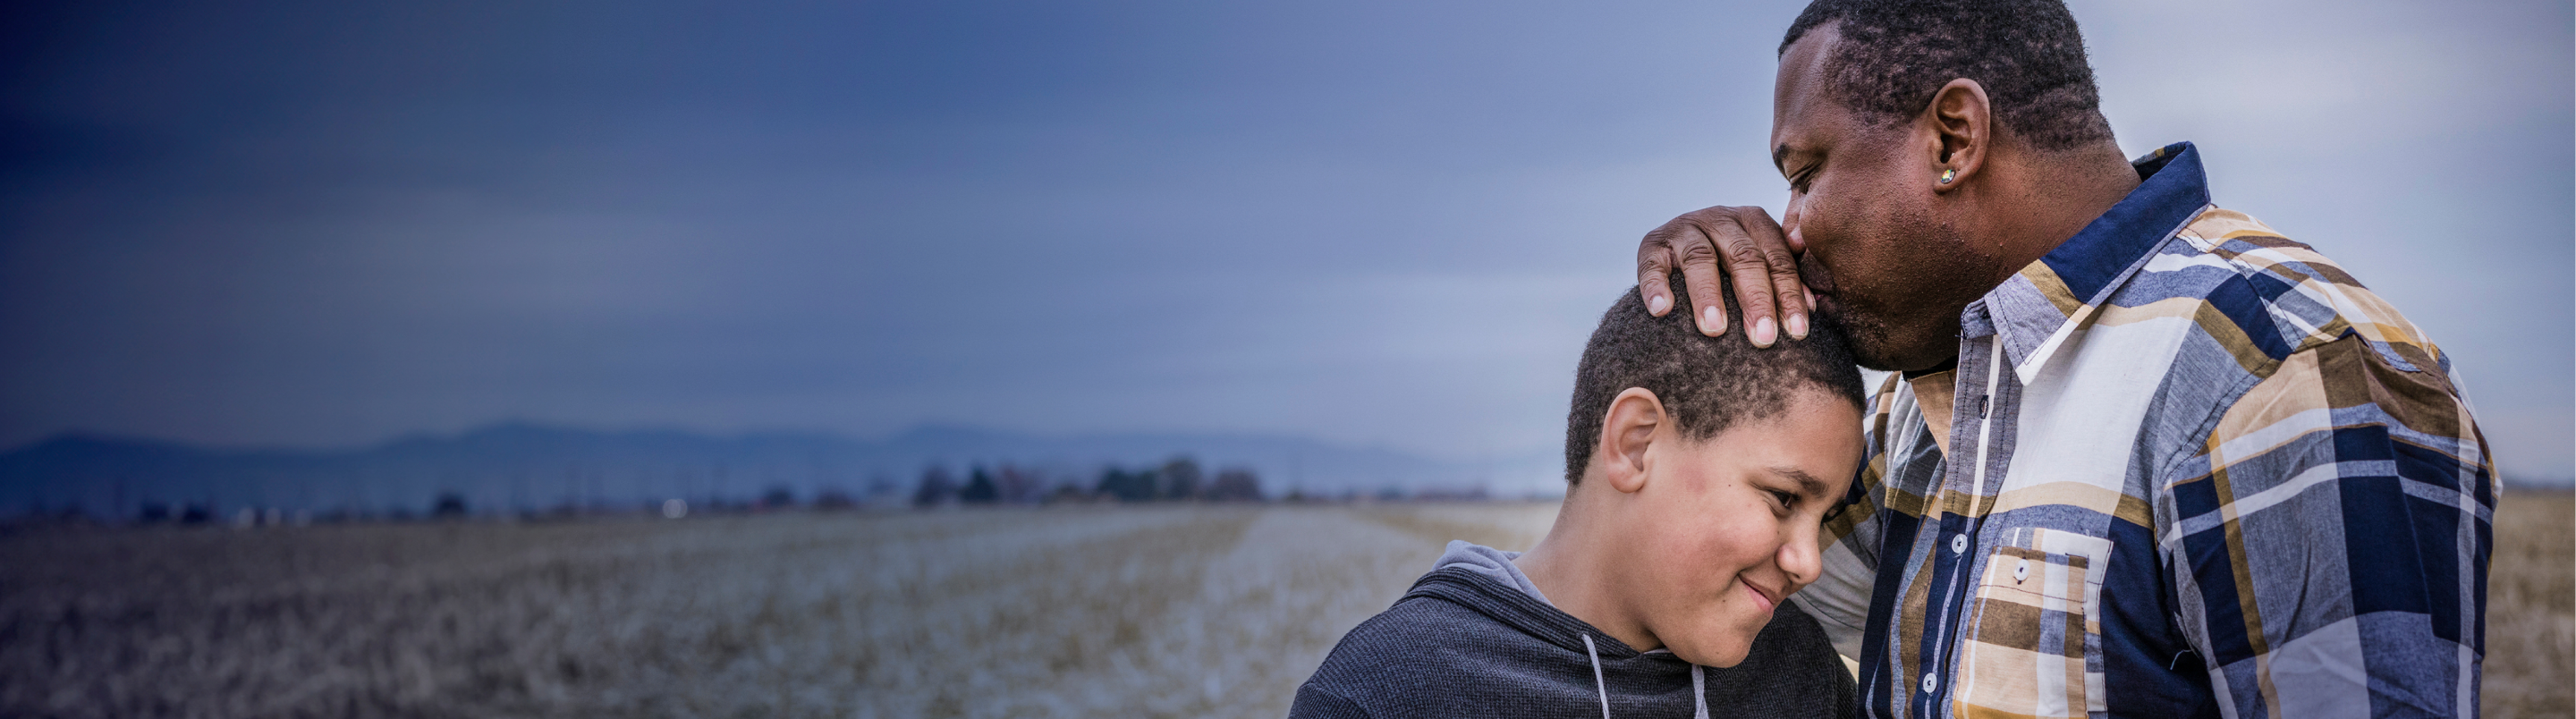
(1808, 484)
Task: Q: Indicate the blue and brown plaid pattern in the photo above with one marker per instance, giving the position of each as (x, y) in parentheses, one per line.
(2183, 467)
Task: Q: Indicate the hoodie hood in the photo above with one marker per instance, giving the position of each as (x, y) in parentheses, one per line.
(1494, 564)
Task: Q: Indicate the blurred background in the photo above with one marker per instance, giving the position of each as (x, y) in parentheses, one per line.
(322, 227)
(298, 262)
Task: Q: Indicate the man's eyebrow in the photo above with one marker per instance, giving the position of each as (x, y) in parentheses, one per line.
(1808, 484)
(1780, 157)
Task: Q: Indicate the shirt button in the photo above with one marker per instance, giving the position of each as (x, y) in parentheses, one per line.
(1958, 544)
(1929, 682)
(2021, 571)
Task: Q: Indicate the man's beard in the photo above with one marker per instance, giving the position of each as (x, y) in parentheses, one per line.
(1880, 345)
(1908, 318)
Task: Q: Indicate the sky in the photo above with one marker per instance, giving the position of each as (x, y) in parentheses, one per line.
(323, 224)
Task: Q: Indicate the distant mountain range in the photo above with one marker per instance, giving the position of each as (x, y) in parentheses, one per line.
(528, 466)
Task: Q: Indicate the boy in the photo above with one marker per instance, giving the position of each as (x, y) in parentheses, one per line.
(1699, 469)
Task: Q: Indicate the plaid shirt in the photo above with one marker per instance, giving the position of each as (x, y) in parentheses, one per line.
(2201, 472)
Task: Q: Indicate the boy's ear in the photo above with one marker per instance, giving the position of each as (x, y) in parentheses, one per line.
(1626, 431)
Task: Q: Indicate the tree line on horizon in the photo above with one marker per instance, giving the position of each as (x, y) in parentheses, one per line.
(1179, 479)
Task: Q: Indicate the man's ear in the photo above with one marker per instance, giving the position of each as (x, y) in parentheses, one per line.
(1961, 125)
(1626, 430)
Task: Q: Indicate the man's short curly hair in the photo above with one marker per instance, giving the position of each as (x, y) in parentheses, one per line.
(2027, 54)
(1706, 383)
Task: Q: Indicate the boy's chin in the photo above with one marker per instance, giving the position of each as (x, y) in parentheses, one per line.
(1720, 652)
(1723, 640)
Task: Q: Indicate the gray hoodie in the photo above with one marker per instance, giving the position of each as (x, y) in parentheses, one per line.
(1494, 563)
(1475, 638)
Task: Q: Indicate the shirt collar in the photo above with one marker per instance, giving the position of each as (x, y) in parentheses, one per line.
(2034, 312)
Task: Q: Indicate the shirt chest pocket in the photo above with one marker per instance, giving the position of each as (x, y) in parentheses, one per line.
(2034, 642)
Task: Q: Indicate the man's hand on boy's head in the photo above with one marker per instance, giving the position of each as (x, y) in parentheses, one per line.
(1750, 248)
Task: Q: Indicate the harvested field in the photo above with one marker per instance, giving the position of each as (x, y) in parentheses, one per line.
(2531, 608)
(1158, 611)
(1166, 611)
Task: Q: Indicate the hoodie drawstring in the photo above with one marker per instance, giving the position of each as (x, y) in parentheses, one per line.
(1699, 693)
(1699, 683)
(1597, 682)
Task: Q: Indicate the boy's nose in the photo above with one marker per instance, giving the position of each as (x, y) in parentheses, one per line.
(1800, 558)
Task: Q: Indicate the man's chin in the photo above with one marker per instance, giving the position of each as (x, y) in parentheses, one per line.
(1912, 360)
(1878, 345)
(1874, 347)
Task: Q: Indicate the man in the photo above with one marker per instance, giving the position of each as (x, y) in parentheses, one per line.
(2142, 456)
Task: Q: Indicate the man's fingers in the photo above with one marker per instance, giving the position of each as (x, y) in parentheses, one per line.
(1751, 271)
(1782, 265)
(1809, 295)
(1699, 259)
(1720, 244)
(1655, 271)
(1793, 306)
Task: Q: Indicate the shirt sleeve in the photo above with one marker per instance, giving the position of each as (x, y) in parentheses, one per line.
(1839, 598)
(2329, 542)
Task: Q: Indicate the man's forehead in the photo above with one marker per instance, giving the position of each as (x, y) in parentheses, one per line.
(1798, 92)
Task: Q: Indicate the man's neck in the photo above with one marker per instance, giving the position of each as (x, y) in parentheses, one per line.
(2059, 193)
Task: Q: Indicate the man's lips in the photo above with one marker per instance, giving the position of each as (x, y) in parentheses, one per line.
(1829, 305)
(1818, 279)
(1766, 598)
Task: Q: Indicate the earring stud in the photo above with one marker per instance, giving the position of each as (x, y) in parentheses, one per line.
(1948, 175)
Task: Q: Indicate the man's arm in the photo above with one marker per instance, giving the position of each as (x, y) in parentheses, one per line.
(2329, 545)
(1741, 243)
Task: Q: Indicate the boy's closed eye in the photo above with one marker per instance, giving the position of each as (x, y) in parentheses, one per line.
(1806, 488)
(1783, 502)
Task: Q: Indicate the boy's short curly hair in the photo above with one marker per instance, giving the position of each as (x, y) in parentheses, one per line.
(1706, 383)
(2027, 54)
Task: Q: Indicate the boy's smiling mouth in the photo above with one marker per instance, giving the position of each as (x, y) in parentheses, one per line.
(1766, 598)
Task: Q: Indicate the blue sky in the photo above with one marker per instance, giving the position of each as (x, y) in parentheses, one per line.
(328, 223)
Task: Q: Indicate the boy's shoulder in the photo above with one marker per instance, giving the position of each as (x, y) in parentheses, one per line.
(1416, 628)
(1437, 652)
(1380, 665)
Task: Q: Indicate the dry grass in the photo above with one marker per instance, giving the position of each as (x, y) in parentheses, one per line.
(2531, 608)
(1167, 611)
(1174, 611)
